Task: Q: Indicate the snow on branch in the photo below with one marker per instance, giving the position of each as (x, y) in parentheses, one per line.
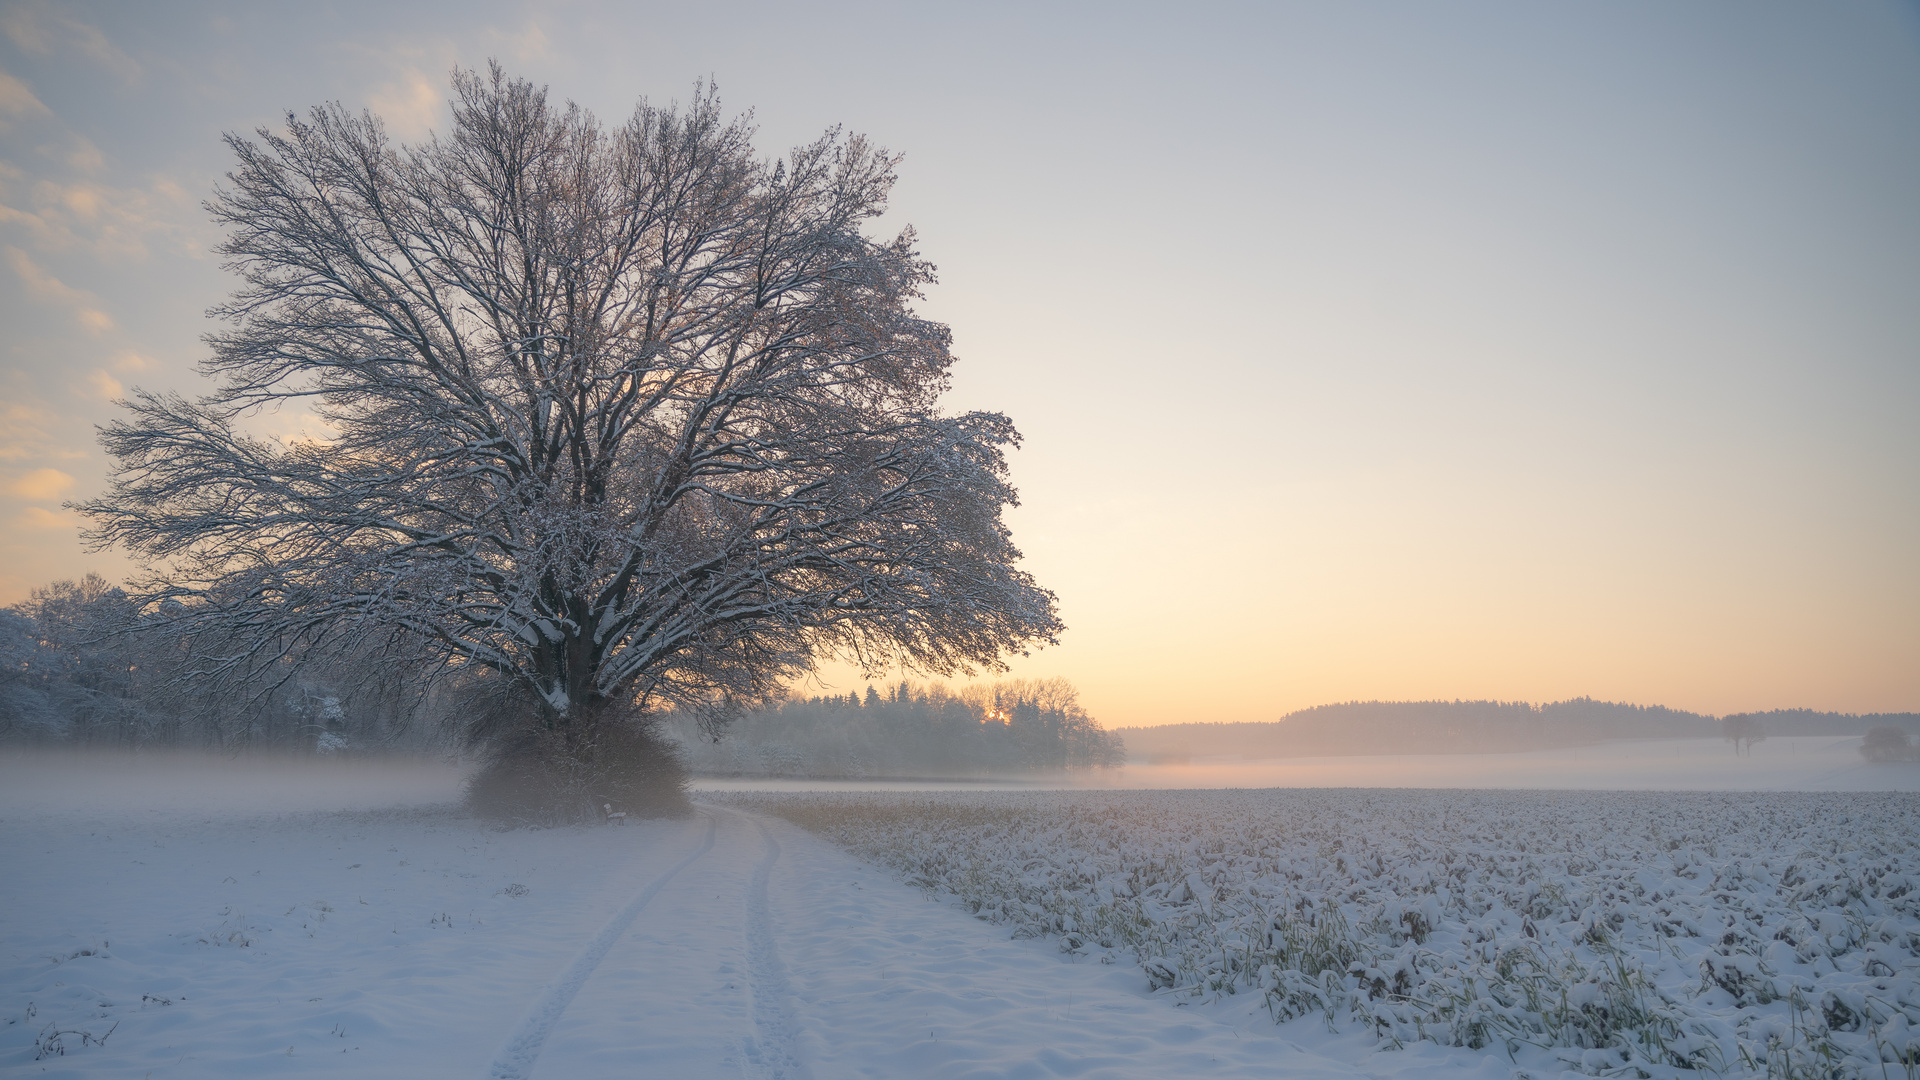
(614, 411)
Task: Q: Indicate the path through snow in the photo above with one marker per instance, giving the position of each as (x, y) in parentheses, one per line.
(412, 942)
(523, 1047)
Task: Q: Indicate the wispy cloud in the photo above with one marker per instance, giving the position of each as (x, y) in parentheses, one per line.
(110, 222)
(26, 434)
(293, 427)
(44, 286)
(41, 485)
(17, 101)
(407, 82)
(39, 517)
(47, 30)
(82, 156)
(524, 46)
(106, 386)
(411, 105)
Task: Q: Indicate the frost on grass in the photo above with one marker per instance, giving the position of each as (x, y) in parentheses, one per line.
(1633, 934)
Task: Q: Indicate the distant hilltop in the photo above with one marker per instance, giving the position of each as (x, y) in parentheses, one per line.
(1466, 727)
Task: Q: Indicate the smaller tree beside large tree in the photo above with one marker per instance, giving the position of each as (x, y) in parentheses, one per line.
(625, 416)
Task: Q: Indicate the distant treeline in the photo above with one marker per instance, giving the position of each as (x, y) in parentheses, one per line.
(1809, 722)
(1016, 726)
(1436, 727)
(80, 667)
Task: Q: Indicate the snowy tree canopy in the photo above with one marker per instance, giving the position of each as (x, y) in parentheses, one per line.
(619, 412)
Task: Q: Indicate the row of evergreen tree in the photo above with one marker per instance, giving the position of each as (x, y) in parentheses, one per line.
(1013, 726)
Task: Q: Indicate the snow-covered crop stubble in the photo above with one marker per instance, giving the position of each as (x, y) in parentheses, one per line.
(1629, 933)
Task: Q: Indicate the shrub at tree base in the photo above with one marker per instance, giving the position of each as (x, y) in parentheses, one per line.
(538, 779)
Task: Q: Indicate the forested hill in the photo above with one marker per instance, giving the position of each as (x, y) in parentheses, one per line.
(1809, 722)
(1429, 727)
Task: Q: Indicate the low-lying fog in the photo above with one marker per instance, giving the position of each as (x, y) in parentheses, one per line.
(54, 781)
(1778, 764)
(188, 782)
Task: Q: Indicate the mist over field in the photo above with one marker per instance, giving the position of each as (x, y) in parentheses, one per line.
(181, 782)
(1819, 763)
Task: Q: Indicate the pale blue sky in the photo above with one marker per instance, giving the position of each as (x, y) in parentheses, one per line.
(1362, 350)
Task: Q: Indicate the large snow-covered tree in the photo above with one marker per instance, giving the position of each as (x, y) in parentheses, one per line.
(625, 414)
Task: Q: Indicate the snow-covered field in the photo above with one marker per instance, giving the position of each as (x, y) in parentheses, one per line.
(179, 918)
(1657, 933)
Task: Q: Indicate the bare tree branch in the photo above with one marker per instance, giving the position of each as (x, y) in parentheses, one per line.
(618, 413)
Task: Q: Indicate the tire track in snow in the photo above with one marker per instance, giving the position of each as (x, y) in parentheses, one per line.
(771, 1050)
(516, 1058)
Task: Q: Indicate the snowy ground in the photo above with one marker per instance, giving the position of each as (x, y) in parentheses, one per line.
(1615, 933)
(207, 939)
(186, 920)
